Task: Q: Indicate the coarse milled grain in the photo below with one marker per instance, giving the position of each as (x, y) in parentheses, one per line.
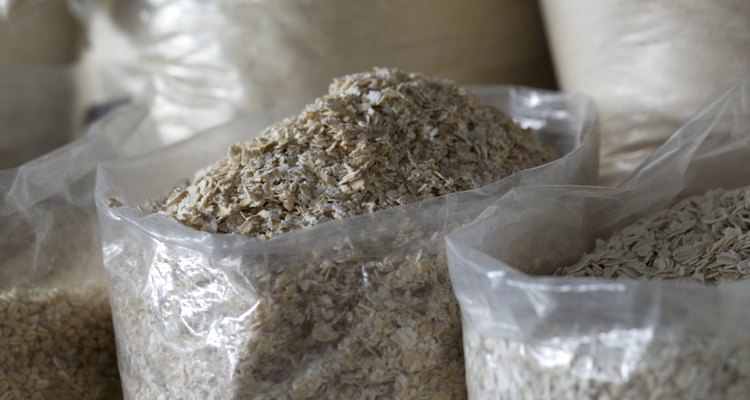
(377, 140)
(365, 319)
(57, 344)
(704, 239)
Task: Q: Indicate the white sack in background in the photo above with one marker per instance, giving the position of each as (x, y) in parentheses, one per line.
(40, 43)
(648, 65)
(210, 62)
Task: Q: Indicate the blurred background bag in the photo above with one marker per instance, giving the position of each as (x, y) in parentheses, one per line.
(648, 65)
(208, 62)
(40, 45)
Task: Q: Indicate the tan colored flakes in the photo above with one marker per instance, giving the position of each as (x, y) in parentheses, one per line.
(607, 363)
(372, 327)
(378, 139)
(57, 344)
(702, 238)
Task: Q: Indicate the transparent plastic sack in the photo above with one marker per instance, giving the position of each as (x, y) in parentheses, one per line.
(356, 308)
(212, 61)
(648, 65)
(531, 336)
(55, 319)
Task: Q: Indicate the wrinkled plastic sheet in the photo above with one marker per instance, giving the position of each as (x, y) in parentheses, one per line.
(190, 298)
(552, 337)
(47, 206)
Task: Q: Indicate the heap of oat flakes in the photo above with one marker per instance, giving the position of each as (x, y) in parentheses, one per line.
(703, 238)
(378, 139)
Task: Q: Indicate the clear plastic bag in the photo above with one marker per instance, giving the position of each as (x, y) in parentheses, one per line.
(648, 65)
(529, 336)
(55, 319)
(356, 308)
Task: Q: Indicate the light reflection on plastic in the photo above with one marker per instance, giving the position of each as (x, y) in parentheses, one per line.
(609, 356)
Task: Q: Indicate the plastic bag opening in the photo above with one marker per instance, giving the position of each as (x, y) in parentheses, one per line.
(528, 335)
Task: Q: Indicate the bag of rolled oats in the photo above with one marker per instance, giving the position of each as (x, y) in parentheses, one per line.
(576, 292)
(250, 305)
(56, 335)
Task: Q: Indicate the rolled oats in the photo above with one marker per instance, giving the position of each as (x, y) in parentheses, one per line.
(377, 140)
(363, 319)
(607, 364)
(57, 344)
(702, 238)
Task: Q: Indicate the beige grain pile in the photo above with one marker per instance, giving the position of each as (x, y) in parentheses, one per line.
(57, 344)
(702, 238)
(372, 319)
(378, 139)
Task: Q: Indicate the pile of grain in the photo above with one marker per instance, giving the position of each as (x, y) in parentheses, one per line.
(57, 344)
(377, 140)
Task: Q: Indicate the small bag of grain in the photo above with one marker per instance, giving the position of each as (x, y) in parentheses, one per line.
(635, 292)
(307, 262)
(56, 335)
